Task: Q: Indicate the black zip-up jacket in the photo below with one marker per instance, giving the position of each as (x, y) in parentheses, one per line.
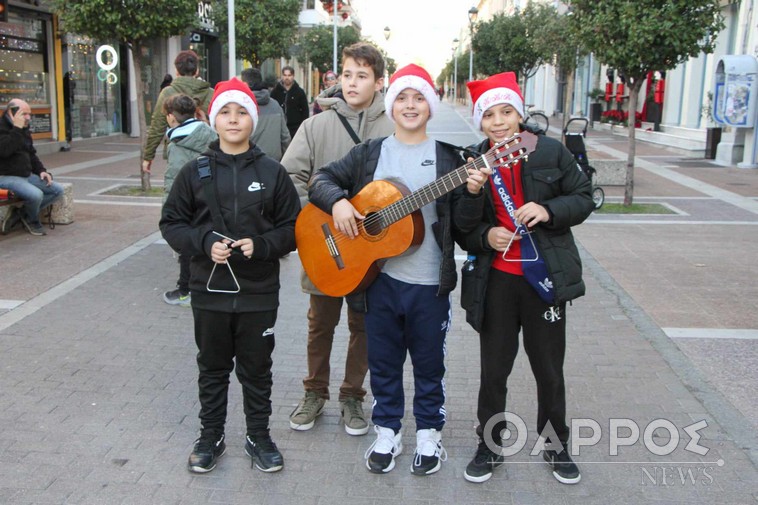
(294, 102)
(256, 199)
(551, 178)
(354, 171)
(17, 154)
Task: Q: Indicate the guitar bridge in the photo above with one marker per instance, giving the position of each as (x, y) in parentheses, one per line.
(331, 244)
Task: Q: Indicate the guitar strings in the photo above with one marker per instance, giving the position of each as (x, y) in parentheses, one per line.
(486, 159)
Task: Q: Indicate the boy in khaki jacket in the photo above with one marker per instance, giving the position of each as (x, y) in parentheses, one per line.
(320, 140)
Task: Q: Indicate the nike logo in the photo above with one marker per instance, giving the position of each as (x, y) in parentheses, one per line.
(255, 186)
(269, 331)
(427, 163)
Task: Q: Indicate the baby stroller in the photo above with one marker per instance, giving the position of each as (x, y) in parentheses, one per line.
(575, 144)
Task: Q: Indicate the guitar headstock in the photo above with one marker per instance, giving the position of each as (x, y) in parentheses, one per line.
(512, 149)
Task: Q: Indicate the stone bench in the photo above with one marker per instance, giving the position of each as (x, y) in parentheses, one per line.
(63, 209)
(62, 212)
(610, 171)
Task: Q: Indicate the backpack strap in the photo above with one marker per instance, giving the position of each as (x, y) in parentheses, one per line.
(206, 178)
(349, 128)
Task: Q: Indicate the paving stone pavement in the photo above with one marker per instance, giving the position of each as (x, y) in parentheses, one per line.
(98, 403)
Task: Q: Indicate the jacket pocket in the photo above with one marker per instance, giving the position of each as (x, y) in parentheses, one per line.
(254, 270)
(548, 175)
(473, 285)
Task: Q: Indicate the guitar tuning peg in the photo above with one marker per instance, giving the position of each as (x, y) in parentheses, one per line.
(526, 158)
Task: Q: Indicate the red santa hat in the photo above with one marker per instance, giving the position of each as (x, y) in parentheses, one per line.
(233, 91)
(414, 77)
(495, 90)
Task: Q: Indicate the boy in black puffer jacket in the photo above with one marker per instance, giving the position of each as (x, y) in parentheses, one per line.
(234, 212)
(527, 268)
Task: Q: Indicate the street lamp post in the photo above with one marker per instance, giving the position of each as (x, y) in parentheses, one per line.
(387, 33)
(472, 15)
(334, 53)
(455, 71)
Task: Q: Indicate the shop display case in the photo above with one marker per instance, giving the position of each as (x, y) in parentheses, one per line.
(32, 87)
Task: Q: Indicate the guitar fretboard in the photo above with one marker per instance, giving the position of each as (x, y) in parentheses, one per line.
(410, 203)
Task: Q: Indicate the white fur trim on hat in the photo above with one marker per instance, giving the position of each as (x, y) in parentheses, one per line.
(414, 82)
(496, 96)
(233, 96)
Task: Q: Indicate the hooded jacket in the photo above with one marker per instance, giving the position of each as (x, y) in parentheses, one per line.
(18, 157)
(184, 147)
(196, 88)
(256, 199)
(271, 133)
(454, 210)
(551, 178)
(322, 139)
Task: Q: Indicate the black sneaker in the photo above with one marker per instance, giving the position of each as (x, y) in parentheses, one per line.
(178, 297)
(480, 468)
(264, 453)
(208, 448)
(564, 468)
(35, 229)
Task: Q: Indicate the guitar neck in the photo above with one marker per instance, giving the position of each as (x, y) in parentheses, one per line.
(503, 153)
(426, 194)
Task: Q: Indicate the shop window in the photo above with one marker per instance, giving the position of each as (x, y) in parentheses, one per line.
(94, 97)
(23, 65)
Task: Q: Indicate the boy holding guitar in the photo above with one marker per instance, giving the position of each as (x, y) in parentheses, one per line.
(527, 268)
(408, 304)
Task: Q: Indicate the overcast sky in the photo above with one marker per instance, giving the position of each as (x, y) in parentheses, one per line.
(422, 31)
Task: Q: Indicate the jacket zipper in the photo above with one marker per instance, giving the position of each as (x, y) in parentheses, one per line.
(234, 187)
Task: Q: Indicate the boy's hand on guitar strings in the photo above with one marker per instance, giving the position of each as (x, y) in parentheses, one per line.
(345, 215)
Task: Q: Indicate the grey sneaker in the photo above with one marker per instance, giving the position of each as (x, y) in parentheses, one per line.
(35, 229)
(353, 416)
(304, 416)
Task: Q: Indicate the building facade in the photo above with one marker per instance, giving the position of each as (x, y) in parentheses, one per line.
(685, 91)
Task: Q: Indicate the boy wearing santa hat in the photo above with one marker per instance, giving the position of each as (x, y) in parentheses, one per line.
(527, 268)
(233, 210)
(408, 304)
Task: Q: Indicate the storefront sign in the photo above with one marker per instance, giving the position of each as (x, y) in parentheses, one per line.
(205, 16)
(41, 125)
(107, 59)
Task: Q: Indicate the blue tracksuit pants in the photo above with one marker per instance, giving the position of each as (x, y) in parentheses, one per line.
(407, 318)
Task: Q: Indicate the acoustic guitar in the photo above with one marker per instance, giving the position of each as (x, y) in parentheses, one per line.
(338, 265)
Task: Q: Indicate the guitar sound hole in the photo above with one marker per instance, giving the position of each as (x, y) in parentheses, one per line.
(372, 225)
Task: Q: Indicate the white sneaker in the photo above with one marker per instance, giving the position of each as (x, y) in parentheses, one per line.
(380, 457)
(429, 452)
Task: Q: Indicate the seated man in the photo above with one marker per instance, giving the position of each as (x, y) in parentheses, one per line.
(21, 170)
